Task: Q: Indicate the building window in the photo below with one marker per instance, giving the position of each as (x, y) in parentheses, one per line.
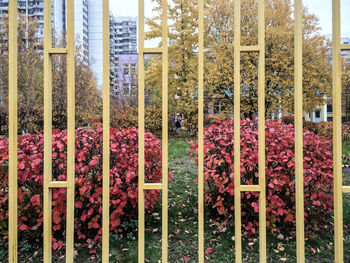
(133, 68)
(329, 108)
(126, 70)
(318, 114)
(126, 89)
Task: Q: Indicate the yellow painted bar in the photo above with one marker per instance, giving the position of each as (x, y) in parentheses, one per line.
(250, 48)
(154, 186)
(346, 189)
(70, 131)
(165, 131)
(57, 184)
(250, 188)
(298, 114)
(345, 47)
(261, 131)
(141, 138)
(237, 128)
(47, 197)
(337, 133)
(201, 132)
(106, 130)
(13, 112)
(152, 51)
(57, 51)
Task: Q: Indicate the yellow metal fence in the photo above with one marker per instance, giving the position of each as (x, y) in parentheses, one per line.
(68, 51)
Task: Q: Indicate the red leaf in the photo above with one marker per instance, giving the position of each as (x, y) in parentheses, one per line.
(55, 245)
(93, 163)
(35, 199)
(208, 251)
(91, 210)
(56, 217)
(23, 227)
(289, 218)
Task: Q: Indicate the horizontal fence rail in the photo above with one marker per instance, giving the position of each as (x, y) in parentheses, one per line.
(69, 53)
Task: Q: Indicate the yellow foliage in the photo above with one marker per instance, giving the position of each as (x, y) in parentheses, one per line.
(219, 66)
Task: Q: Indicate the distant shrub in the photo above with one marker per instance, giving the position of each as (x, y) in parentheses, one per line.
(212, 119)
(153, 117)
(325, 130)
(280, 177)
(346, 130)
(123, 115)
(310, 126)
(288, 119)
(88, 182)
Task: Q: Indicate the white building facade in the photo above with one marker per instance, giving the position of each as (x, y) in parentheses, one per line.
(35, 9)
(95, 39)
(88, 26)
(123, 40)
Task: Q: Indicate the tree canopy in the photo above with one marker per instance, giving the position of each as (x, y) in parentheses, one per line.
(219, 66)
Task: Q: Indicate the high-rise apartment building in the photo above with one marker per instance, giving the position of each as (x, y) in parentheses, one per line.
(95, 18)
(88, 26)
(81, 25)
(122, 39)
(35, 9)
(124, 34)
(123, 54)
(29, 8)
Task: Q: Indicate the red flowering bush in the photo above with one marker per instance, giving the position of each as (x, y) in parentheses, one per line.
(88, 182)
(280, 174)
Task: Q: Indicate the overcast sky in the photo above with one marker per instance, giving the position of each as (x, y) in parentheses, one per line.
(322, 8)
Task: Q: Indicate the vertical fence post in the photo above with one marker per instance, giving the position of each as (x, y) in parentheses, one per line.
(141, 121)
(237, 128)
(337, 140)
(70, 131)
(261, 131)
(165, 173)
(13, 111)
(200, 132)
(47, 197)
(141, 137)
(106, 131)
(298, 115)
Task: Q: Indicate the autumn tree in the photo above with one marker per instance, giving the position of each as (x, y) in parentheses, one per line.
(219, 68)
(30, 82)
(124, 106)
(88, 101)
(30, 77)
(345, 81)
(182, 16)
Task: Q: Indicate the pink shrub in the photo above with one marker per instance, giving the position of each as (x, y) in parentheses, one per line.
(88, 182)
(280, 177)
